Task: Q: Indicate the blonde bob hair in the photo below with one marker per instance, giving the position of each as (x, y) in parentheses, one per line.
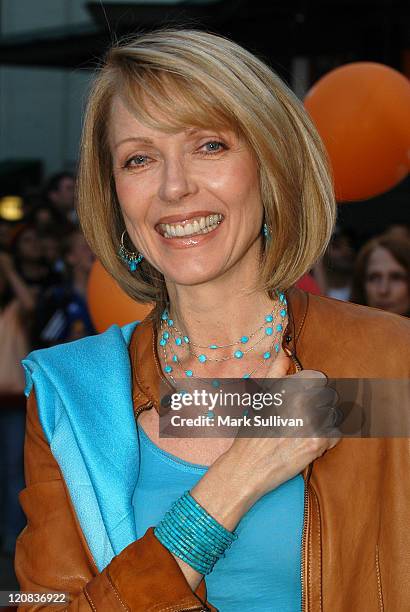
(197, 79)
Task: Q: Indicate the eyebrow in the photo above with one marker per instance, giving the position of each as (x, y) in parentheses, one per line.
(134, 139)
(144, 140)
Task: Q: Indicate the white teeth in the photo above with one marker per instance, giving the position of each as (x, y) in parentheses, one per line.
(200, 225)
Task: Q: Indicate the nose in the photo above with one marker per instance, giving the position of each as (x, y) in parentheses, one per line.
(176, 182)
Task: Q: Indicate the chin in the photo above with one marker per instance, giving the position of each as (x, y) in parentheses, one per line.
(189, 277)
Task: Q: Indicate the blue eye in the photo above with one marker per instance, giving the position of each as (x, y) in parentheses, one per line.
(214, 146)
(140, 160)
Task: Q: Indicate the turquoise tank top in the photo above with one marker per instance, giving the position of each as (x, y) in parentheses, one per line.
(261, 570)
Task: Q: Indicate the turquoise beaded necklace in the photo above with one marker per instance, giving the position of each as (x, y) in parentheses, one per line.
(171, 333)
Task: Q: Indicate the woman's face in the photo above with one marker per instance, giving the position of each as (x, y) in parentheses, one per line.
(168, 184)
(386, 282)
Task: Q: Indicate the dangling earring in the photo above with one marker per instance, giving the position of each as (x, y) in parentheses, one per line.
(130, 258)
(266, 231)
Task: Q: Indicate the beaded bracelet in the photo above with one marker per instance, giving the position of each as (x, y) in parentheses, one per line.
(200, 547)
(209, 537)
(219, 531)
(177, 553)
(186, 547)
(187, 553)
(207, 540)
(193, 535)
(181, 550)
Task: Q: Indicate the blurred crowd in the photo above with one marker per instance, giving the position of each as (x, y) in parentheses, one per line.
(375, 273)
(44, 268)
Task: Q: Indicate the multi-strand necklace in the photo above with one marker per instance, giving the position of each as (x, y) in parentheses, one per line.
(173, 340)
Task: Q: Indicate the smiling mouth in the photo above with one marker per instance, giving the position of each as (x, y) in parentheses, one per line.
(192, 227)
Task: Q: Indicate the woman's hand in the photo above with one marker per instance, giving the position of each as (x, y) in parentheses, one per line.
(254, 466)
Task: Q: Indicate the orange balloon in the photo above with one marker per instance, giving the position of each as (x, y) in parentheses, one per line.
(362, 113)
(108, 303)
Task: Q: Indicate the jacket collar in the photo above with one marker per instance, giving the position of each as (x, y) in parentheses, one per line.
(146, 369)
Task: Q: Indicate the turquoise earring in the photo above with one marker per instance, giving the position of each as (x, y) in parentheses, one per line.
(130, 258)
(266, 231)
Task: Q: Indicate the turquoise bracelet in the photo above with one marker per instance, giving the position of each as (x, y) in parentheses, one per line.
(207, 521)
(204, 547)
(176, 546)
(177, 553)
(193, 535)
(222, 534)
(207, 540)
(184, 548)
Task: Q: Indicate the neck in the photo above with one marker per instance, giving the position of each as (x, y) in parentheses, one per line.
(221, 310)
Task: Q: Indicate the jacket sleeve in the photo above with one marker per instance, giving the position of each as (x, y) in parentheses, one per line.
(52, 554)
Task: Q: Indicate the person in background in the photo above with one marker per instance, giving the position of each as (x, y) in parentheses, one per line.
(53, 252)
(334, 272)
(62, 313)
(45, 218)
(382, 275)
(29, 257)
(16, 307)
(60, 192)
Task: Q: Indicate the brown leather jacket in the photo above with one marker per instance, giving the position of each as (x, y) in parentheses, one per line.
(356, 537)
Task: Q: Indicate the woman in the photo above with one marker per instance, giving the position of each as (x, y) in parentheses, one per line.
(204, 188)
(382, 275)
